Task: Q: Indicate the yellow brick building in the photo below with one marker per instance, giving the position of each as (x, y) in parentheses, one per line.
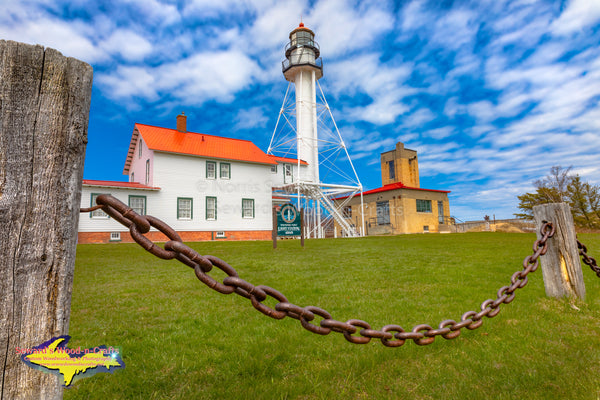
(400, 205)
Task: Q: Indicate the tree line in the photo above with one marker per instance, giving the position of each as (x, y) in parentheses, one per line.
(560, 185)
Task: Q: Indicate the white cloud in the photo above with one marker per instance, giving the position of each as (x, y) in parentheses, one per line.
(578, 15)
(456, 29)
(414, 16)
(418, 118)
(383, 110)
(129, 82)
(343, 28)
(272, 26)
(194, 80)
(128, 44)
(483, 111)
(253, 117)
(155, 11)
(383, 84)
(439, 133)
(62, 36)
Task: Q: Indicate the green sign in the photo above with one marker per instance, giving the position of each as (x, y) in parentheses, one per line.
(288, 221)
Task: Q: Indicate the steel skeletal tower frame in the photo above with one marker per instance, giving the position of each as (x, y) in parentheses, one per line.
(306, 130)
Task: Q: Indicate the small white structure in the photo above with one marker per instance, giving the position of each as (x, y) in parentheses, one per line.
(314, 139)
(206, 187)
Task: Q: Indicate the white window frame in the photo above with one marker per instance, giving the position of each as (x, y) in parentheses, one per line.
(288, 172)
(227, 174)
(213, 174)
(211, 209)
(135, 207)
(97, 214)
(248, 208)
(184, 212)
(147, 171)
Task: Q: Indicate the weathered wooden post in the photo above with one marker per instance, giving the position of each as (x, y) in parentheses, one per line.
(44, 111)
(561, 266)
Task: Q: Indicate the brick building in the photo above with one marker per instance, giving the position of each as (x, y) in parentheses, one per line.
(400, 205)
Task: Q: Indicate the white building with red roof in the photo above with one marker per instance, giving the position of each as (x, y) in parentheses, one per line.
(206, 187)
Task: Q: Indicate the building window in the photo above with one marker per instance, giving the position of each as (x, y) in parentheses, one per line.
(184, 208)
(97, 213)
(225, 170)
(115, 236)
(147, 172)
(425, 228)
(441, 218)
(220, 235)
(211, 170)
(274, 169)
(424, 206)
(140, 148)
(287, 173)
(132, 178)
(138, 204)
(392, 170)
(211, 208)
(383, 213)
(247, 208)
(347, 212)
(304, 38)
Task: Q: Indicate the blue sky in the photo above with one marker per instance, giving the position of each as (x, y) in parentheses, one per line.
(490, 93)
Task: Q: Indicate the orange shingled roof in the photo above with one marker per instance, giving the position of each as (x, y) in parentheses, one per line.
(287, 160)
(198, 144)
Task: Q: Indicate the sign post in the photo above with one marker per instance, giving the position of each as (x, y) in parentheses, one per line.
(287, 222)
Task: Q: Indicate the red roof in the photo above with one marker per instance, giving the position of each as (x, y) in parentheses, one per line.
(116, 184)
(197, 144)
(400, 185)
(287, 160)
(394, 186)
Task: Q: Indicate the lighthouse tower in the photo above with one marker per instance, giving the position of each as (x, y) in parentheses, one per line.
(303, 67)
(324, 177)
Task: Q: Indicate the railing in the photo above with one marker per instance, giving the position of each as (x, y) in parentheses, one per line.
(286, 64)
(302, 42)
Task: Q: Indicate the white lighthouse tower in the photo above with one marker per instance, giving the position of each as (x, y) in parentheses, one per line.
(327, 172)
(303, 67)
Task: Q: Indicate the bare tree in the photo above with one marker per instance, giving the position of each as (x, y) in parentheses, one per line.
(560, 186)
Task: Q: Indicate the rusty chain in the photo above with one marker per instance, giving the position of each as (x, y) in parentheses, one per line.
(587, 259)
(354, 330)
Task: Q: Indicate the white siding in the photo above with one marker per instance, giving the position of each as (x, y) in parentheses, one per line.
(87, 223)
(181, 176)
(279, 178)
(138, 164)
(185, 176)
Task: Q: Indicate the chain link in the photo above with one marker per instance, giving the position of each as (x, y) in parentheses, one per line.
(587, 259)
(354, 330)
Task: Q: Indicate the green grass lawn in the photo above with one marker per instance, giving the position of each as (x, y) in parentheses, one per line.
(181, 340)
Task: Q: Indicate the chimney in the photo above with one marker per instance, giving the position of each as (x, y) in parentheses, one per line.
(181, 123)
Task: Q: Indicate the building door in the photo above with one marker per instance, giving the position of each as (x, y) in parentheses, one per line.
(441, 212)
(383, 213)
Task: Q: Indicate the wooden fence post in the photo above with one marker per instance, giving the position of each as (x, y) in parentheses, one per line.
(274, 233)
(44, 111)
(561, 266)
